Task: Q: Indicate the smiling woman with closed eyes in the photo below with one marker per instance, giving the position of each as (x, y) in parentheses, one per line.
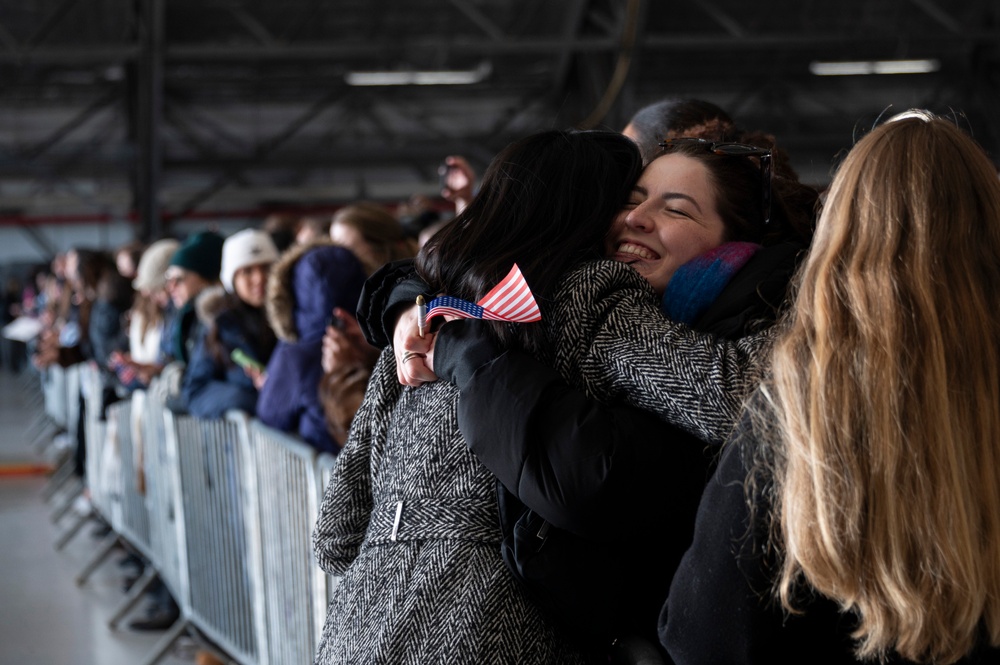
(671, 217)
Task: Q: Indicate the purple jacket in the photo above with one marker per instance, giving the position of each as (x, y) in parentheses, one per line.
(304, 287)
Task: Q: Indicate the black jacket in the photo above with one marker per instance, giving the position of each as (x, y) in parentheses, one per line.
(623, 484)
(720, 607)
(213, 383)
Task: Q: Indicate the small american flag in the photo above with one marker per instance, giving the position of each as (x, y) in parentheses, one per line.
(510, 300)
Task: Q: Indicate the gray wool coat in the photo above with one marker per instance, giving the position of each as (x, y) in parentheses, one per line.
(410, 516)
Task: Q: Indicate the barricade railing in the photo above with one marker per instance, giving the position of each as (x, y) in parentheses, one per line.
(55, 401)
(54, 390)
(79, 385)
(324, 466)
(218, 550)
(223, 510)
(100, 479)
(131, 519)
(66, 396)
(286, 502)
(159, 462)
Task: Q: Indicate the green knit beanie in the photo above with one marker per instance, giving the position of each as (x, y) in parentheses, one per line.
(201, 253)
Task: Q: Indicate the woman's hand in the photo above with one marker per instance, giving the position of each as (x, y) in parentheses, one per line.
(411, 350)
(257, 376)
(345, 344)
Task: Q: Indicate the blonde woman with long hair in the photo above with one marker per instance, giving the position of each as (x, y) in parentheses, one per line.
(855, 514)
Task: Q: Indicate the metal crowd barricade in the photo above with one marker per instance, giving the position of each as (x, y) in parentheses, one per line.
(56, 410)
(217, 551)
(162, 493)
(285, 498)
(84, 381)
(224, 512)
(131, 520)
(324, 466)
(70, 385)
(54, 389)
(100, 484)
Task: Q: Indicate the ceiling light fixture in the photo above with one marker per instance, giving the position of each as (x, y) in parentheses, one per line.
(432, 77)
(866, 67)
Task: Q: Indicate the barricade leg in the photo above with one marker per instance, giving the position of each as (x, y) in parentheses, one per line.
(37, 428)
(68, 534)
(61, 476)
(180, 628)
(134, 595)
(107, 545)
(46, 434)
(67, 503)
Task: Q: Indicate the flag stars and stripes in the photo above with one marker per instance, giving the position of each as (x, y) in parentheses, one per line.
(510, 300)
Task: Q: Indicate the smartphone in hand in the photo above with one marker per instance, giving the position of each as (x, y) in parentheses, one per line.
(336, 322)
(245, 361)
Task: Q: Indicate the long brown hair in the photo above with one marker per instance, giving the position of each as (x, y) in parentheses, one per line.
(886, 386)
(381, 231)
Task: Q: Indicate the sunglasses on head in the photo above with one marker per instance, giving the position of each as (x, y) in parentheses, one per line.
(735, 150)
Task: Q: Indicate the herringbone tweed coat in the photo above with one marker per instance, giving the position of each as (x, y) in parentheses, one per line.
(410, 515)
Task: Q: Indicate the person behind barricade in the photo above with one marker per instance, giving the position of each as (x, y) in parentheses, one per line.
(91, 328)
(108, 326)
(347, 360)
(710, 231)
(376, 237)
(674, 118)
(149, 315)
(311, 227)
(236, 339)
(66, 343)
(193, 268)
(282, 228)
(855, 514)
(305, 286)
(127, 258)
(409, 519)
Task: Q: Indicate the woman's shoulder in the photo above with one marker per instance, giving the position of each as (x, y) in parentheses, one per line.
(593, 278)
(590, 298)
(592, 289)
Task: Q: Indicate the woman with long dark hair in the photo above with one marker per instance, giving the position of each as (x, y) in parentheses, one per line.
(410, 516)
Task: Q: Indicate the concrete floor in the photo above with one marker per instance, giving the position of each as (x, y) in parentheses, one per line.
(45, 618)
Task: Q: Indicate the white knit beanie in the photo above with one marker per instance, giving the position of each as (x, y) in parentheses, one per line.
(245, 248)
(151, 271)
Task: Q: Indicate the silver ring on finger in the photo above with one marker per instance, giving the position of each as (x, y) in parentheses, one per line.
(409, 355)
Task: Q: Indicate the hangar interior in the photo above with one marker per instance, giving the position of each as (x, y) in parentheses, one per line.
(154, 112)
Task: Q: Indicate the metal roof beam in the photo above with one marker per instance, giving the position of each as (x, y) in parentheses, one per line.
(251, 25)
(574, 20)
(50, 22)
(260, 154)
(930, 8)
(68, 127)
(479, 19)
(216, 53)
(728, 23)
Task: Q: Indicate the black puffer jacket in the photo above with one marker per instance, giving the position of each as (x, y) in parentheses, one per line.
(622, 485)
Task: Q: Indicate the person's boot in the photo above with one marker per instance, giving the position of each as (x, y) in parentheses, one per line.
(158, 617)
(207, 658)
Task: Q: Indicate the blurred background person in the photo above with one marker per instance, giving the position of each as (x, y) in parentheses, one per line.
(233, 320)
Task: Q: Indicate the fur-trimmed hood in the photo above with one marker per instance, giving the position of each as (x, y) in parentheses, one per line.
(306, 283)
(209, 303)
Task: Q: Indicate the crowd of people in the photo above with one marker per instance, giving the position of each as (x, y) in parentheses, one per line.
(756, 422)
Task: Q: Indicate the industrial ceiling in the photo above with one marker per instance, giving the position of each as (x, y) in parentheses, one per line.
(163, 110)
